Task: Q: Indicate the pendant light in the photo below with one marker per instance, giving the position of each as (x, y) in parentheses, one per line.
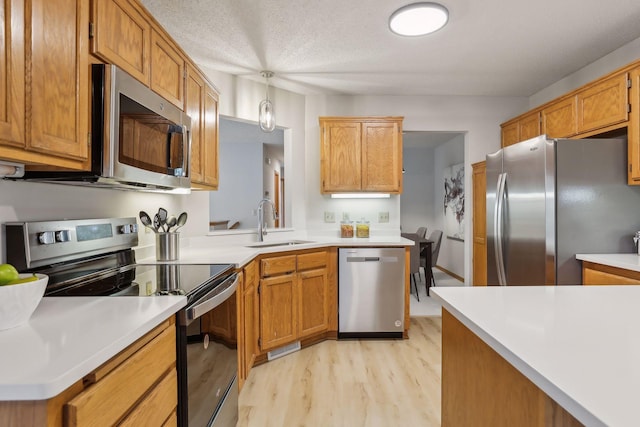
(266, 114)
(418, 19)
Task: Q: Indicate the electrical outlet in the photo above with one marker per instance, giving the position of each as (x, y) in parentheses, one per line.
(329, 216)
(383, 216)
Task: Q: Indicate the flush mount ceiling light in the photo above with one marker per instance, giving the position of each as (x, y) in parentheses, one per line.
(266, 114)
(418, 19)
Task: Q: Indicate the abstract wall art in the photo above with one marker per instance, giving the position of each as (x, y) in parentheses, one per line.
(454, 201)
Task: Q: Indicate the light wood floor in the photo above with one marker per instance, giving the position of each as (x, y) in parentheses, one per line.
(350, 383)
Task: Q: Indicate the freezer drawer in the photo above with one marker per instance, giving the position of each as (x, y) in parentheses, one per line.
(371, 292)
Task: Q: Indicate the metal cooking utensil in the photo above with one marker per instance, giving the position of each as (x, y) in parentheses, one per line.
(171, 222)
(156, 223)
(182, 219)
(162, 214)
(146, 221)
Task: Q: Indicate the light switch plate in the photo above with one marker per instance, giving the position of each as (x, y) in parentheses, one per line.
(383, 216)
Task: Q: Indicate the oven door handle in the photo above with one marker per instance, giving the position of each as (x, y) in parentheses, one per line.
(210, 302)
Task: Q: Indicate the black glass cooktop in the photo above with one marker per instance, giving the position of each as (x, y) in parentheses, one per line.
(115, 275)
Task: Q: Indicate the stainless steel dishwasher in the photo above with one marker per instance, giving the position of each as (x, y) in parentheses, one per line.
(371, 292)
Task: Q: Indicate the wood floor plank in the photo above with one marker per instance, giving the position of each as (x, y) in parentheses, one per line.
(350, 383)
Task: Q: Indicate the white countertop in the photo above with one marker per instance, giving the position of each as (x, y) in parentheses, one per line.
(207, 250)
(68, 337)
(626, 261)
(580, 345)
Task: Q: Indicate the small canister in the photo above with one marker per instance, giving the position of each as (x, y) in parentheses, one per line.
(362, 228)
(167, 246)
(636, 241)
(346, 229)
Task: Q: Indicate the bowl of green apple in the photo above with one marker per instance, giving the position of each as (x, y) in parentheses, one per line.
(20, 294)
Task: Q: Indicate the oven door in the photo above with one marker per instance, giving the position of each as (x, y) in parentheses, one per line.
(208, 359)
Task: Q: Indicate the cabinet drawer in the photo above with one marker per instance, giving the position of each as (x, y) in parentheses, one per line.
(158, 405)
(278, 265)
(312, 260)
(116, 393)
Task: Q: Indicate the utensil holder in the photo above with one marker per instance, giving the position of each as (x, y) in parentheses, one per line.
(167, 246)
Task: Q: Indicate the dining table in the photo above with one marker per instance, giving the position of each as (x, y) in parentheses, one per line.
(426, 249)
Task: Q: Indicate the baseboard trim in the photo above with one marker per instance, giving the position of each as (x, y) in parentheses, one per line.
(454, 275)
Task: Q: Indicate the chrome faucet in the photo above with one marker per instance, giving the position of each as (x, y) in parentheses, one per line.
(261, 225)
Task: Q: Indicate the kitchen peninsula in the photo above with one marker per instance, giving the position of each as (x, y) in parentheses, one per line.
(540, 355)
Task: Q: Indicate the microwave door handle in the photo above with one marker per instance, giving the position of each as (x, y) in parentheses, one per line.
(186, 152)
(173, 130)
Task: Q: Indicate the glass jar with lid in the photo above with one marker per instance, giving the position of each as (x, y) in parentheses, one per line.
(362, 228)
(346, 229)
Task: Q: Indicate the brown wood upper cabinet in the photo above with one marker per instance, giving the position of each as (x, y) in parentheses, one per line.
(47, 121)
(633, 170)
(603, 104)
(361, 154)
(559, 119)
(521, 129)
(122, 36)
(125, 34)
(201, 104)
(597, 107)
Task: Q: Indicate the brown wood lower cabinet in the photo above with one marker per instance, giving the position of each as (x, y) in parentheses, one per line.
(481, 388)
(598, 274)
(294, 298)
(136, 387)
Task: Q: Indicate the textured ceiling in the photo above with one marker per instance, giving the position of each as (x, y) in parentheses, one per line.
(489, 47)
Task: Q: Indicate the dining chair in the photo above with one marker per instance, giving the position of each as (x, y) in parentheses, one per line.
(414, 265)
(422, 232)
(436, 237)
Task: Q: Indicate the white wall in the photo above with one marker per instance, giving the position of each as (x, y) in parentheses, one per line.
(451, 255)
(25, 201)
(417, 202)
(608, 63)
(241, 167)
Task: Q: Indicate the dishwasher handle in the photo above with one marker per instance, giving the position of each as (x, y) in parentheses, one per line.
(372, 259)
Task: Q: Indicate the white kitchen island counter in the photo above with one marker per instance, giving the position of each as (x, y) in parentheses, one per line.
(579, 345)
(68, 337)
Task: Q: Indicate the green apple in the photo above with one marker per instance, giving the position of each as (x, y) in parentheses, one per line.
(8, 273)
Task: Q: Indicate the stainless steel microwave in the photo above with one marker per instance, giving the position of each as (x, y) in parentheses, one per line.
(139, 140)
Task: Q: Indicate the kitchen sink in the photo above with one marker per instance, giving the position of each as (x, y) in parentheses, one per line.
(283, 243)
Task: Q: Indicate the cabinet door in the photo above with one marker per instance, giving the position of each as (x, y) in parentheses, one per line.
(603, 104)
(382, 157)
(167, 70)
(194, 107)
(340, 157)
(278, 313)
(510, 134)
(479, 224)
(633, 168)
(250, 319)
(210, 139)
(12, 107)
(122, 36)
(559, 119)
(529, 126)
(313, 300)
(59, 118)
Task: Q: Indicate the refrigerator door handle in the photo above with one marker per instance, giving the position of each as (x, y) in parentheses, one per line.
(498, 226)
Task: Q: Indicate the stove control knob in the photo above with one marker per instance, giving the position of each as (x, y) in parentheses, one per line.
(62, 236)
(46, 237)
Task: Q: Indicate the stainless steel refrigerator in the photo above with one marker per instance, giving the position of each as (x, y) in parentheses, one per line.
(549, 199)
